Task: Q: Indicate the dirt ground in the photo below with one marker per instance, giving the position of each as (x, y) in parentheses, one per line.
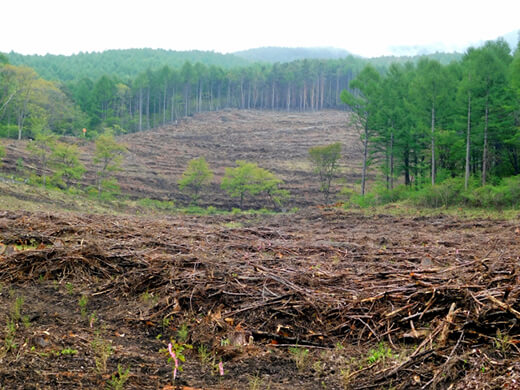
(318, 299)
(277, 141)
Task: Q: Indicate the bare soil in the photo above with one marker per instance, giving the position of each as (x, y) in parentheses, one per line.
(276, 141)
(377, 301)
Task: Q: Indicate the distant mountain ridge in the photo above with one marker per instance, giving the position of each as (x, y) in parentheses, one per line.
(126, 63)
(288, 54)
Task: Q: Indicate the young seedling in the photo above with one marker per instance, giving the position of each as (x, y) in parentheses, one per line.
(11, 321)
(70, 288)
(82, 302)
(380, 354)
(255, 382)
(175, 353)
(299, 356)
(118, 380)
(204, 355)
(102, 351)
(182, 333)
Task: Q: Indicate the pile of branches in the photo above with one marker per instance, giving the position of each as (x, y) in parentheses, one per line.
(281, 287)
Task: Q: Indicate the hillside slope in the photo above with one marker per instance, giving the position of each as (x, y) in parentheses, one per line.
(277, 141)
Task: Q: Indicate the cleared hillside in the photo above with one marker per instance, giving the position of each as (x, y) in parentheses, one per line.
(277, 141)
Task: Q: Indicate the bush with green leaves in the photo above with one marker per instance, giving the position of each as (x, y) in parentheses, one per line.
(325, 162)
(42, 148)
(68, 168)
(195, 177)
(249, 179)
(108, 158)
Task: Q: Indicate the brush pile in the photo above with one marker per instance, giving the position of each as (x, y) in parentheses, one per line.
(439, 292)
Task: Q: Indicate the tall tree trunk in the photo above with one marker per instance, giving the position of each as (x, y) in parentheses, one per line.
(186, 99)
(164, 104)
(199, 102)
(304, 95)
(392, 160)
(365, 159)
(211, 96)
(172, 113)
(337, 88)
(140, 109)
(322, 92)
(148, 108)
(288, 97)
(242, 95)
(468, 139)
(249, 93)
(272, 96)
(312, 96)
(485, 151)
(433, 144)
(406, 163)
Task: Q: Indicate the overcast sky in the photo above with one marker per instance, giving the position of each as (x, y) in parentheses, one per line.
(364, 27)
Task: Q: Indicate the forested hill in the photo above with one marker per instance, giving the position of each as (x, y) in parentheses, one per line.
(442, 58)
(123, 63)
(126, 65)
(289, 54)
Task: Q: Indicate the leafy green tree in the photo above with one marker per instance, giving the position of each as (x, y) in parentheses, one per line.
(429, 92)
(466, 91)
(249, 178)
(195, 177)
(239, 181)
(325, 161)
(270, 186)
(42, 148)
(21, 80)
(493, 95)
(108, 157)
(67, 165)
(104, 95)
(365, 106)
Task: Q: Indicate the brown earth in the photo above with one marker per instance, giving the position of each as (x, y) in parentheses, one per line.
(277, 141)
(377, 301)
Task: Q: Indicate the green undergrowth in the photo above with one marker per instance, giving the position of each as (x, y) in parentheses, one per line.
(17, 195)
(500, 200)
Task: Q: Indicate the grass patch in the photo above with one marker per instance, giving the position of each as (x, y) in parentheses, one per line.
(500, 201)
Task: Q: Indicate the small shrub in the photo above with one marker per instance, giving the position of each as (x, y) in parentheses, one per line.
(211, 210)
(82, 302)
(162, 205)
(380, 354)
(118, 380)
(182, 333)
(195, 210)
(448, 193)
(300, 357)
(102, 351)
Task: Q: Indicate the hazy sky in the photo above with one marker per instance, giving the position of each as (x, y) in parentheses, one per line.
(364, 27)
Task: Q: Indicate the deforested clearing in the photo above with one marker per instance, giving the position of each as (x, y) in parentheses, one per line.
(317, 298)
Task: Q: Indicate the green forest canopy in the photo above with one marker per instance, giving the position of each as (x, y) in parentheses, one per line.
(419, 128)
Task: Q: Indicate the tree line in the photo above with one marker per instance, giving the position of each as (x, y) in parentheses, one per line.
(426, 122)
(421, 122)
(29, 103)
(99, 95)
(165, 95)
